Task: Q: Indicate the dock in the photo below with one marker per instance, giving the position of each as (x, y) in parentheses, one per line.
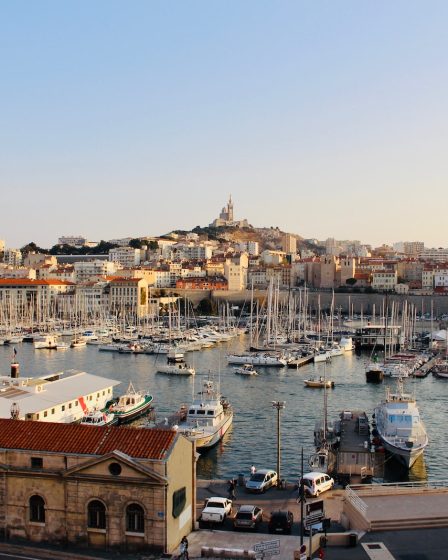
(426, 368)
(299, 362)
(355, 455)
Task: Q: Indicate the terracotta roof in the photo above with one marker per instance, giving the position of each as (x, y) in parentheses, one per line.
(121, 280)
(29, 282)
(84, 440)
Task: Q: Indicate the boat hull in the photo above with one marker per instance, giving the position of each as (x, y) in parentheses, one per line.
(208, 440)
(406, 457)
(128, 416)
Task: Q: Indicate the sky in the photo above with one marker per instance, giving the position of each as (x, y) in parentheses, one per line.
(127, 119)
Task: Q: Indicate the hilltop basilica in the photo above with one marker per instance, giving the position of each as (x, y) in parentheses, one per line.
(226, 217)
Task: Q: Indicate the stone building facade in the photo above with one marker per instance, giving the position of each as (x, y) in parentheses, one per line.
(106, 487)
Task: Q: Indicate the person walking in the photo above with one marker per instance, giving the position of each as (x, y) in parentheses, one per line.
(184, 548)
(252, 470)
(232, 495)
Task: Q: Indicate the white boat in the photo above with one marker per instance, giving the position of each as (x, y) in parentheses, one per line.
(319, 383)
(77, 343)
(97, 417)
(62, 346)
(46, 341)
(322, 357)
(400, 427)
(257, 359)
(176, 369)
(347, 344)
(247, 369)
(208, 418)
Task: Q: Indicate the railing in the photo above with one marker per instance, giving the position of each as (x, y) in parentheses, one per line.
(395, 488)
(352, 497)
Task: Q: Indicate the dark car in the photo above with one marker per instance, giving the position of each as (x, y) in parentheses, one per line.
(281, 522)
(248, 517)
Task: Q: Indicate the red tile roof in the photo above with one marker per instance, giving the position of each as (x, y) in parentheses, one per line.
(85, 440)
(29, 282)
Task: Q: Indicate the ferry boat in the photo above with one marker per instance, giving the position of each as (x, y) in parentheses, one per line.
(399, 426)
(131, 405)
(208, 418)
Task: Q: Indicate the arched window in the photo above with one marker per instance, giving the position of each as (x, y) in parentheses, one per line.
(37, 509)
(135, 519)
(96, 515)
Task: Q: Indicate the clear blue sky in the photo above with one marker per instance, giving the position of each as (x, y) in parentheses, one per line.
(327, 119)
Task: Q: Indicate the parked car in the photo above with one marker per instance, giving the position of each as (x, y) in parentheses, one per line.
(261, 480)
(317, 482)
(216, 510)
(281, 522)
(248, 517)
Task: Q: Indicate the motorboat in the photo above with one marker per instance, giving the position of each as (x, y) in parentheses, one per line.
(62, 345)
(319, 383)
(374, 372)
(97, 417)
(258, 359)
(208, 419)
(176, 369)
(246, 369)
(400, 427)
(78, 343)
(131, 405)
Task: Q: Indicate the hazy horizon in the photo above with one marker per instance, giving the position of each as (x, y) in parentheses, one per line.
(325, 119)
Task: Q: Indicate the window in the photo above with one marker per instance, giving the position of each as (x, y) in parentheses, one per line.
(115, 469)
(52, 411)
(37, 509)
(135, 519)
(37, 462)
(179, 501)
(45, 414)
(63, 408)
(96, 515)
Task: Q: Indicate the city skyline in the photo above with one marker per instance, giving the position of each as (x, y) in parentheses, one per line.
(325, 120)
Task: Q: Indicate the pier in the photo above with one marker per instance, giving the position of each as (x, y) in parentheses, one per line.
(299, 362)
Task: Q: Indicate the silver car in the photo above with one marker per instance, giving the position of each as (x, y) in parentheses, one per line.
(261, 480)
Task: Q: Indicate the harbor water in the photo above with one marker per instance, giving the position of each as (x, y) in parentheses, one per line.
(253, 436)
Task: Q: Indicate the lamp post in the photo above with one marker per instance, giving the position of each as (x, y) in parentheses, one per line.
(279, 405)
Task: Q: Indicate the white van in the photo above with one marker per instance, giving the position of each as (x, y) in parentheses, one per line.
(316, 482)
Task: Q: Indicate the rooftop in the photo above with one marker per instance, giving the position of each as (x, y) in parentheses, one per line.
(85, 440)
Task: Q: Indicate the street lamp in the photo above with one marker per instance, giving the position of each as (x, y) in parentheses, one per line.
(279, 405)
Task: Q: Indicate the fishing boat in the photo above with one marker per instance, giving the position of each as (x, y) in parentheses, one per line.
(399, 426)
(78, 343)
(97, 417)
(131, 405)
(176, 369)
(319, 383)
(247, 369)
(208, 419)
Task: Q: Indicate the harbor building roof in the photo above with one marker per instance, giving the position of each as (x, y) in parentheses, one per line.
(85, 440)
(37, 394)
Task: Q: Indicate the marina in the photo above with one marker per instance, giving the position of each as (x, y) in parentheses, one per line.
(252, 437)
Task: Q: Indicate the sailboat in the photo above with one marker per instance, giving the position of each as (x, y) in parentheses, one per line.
(324, 459)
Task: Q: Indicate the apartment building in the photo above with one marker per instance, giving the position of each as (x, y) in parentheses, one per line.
(129, 295)
(127, 257)
(89, 270)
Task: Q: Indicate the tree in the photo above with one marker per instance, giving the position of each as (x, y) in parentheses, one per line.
(205, 307)
(136, 243)
(32, 248)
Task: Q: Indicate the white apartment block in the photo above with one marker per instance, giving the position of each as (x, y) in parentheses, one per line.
(441, 279)
(437, 255)
(194, 252)
(273, 257)
(127, 257)
(124, 242)
(13, 257)
(129, 295)
(250, 247)
(162, 278)
(384, 280)
(73, 240)
(23, 291)
(236, 276)
(91, 297)
(7, 271)
(88, 270)
(289, 244)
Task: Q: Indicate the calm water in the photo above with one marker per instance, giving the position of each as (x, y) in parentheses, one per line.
(253, 437)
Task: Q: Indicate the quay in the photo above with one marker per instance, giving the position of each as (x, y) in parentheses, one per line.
(426, 368)
(299, 362)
